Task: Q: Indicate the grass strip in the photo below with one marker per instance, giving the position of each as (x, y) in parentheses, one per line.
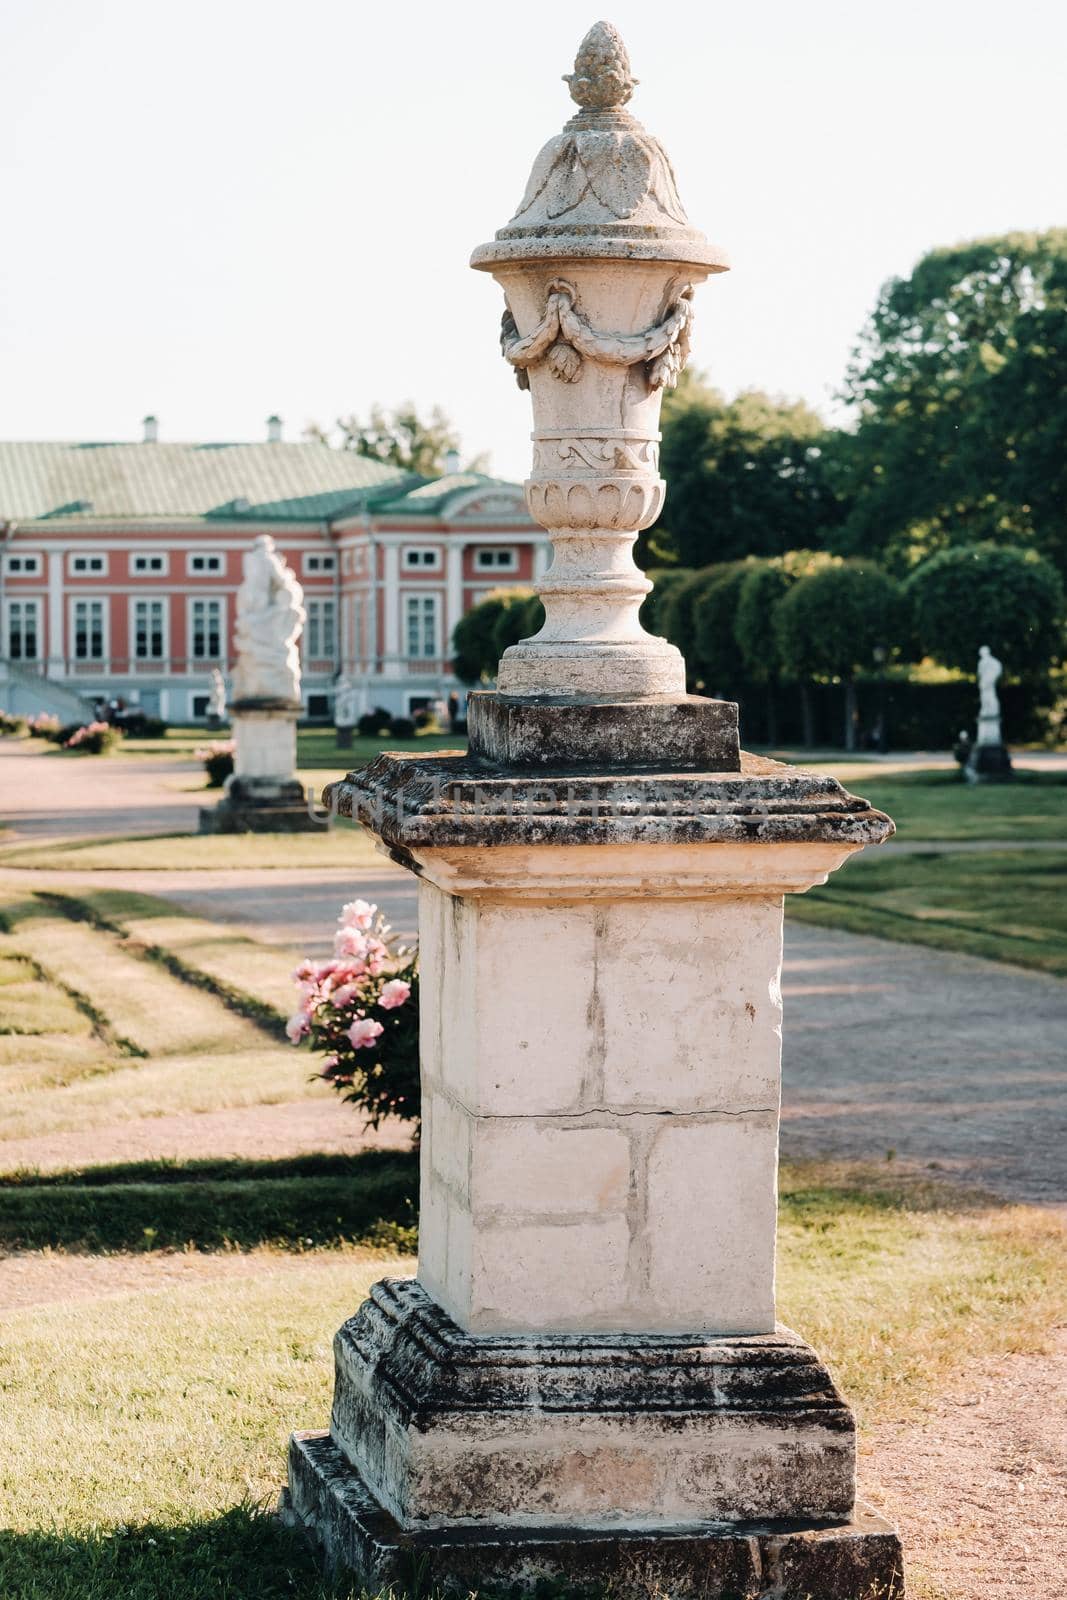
(1003, 905)
(369, 1199)
(937, 804)
(79, 909)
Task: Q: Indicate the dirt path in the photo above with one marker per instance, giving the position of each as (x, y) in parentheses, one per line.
(327, 1127)
(979, 1487)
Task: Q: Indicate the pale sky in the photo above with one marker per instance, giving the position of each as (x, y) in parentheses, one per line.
(213, 211)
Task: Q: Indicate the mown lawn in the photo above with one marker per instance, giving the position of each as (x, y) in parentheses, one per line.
(1003, 904)
(115, 1006)
(935, 804)
(140, 1463)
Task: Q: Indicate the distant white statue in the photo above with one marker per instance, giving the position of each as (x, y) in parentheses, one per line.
(345, 703)
(216, 704)
(989, 670)
(270, 620)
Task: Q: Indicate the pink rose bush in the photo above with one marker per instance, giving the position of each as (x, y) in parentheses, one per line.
(94, 739)
(360, 1009)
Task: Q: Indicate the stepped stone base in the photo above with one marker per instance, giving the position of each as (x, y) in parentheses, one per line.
(260, 805)
(989, 763)
(857, 1559)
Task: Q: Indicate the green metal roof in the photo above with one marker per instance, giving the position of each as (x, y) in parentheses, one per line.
(231, 482)
(433, 494)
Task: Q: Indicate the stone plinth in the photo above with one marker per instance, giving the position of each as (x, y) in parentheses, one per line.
(591, 1347)
(263, 794)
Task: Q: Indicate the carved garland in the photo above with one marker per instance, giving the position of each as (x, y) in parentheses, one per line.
(563, 337)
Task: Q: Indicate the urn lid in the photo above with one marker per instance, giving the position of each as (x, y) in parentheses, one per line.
(604, 187)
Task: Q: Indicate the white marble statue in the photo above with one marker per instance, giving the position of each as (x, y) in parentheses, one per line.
(270, 620)
(989, 670)
(216, 705)
(345, 703)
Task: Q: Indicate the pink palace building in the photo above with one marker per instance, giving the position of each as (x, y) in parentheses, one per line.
(120, 563)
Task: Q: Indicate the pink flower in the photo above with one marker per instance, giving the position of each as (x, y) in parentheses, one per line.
(297, 1027)
(358, 914)
(349, 943)
(362, 1033)
(394, 993)
(341, 996)
(304, 972)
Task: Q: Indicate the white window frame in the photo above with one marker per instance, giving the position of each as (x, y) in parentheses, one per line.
(149, 599)
(318, 607)
(422, 598)
(411, 550)
(162, 571)
(21, 603)
(319, 562)
(88, 572)
(216, 571)
(191, 602)
(101, 600)
(496, 550)
(29, 564)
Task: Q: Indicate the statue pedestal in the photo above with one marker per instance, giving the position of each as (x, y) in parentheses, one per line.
(344, 736)
(263, 794)
(587, 1381)
(989, 760)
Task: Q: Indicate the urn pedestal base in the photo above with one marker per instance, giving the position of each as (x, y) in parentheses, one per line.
(260, 805)
(855, 1559)
(989, 763)
(694, 1465)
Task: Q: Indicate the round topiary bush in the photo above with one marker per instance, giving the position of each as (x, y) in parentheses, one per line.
(975, 594)
(402, 728)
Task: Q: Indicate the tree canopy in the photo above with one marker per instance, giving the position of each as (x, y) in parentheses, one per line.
(832, 621)
(402, 438)
(744, 477)
(485, 632)
(959, 392)
(1011, 600)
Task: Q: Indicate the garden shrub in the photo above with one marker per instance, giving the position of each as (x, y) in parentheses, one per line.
(373, 724)
(401, 728)
(12, 726)
(93, 739)
(217, 758)
(361, 1009)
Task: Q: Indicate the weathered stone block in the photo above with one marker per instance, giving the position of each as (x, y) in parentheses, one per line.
(858, 1558)
(524, 1165)
(662, 733)
(613, 1430)
(712, 1199)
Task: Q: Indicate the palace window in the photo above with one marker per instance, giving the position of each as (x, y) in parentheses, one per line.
(496, 558)
(23, 630)
(319, 563)
(420, 617)
(319, 635)
(146, 562)
(88, 566)
(205, 629)
(204, 564)
(23, 566)
(88, 630)
(149, 624)
(422, 558)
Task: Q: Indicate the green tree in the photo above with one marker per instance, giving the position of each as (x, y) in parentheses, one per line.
(402, 438)
(664, 580)
(959, 391)
(1011, 600)
(717, 663)
(744, 477)
(832, 622)
(480, 637)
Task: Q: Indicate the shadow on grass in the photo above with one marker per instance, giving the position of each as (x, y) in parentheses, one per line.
(305, 1202)
(244, 1554)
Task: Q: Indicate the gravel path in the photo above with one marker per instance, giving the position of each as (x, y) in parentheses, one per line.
(979, 1487)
